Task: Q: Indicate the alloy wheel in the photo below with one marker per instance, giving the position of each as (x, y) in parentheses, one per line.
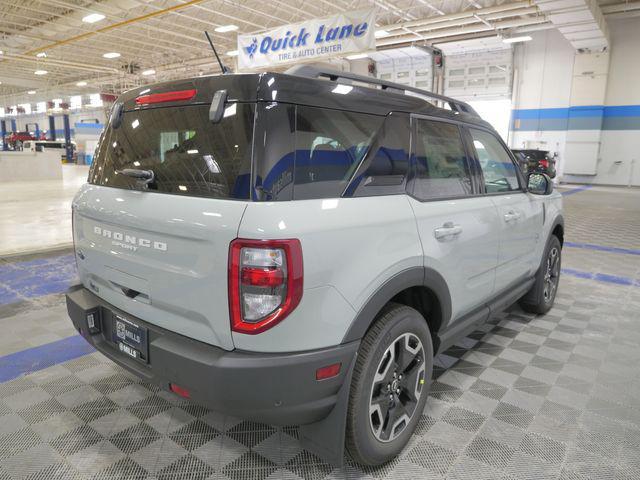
(551, 275)
(397, 387)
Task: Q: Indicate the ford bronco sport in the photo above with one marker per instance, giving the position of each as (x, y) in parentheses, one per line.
(295, 248)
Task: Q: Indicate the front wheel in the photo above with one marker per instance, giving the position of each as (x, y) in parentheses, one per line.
(543, 293)
(390, 385)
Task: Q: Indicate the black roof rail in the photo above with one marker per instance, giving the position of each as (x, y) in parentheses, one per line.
(310, 71)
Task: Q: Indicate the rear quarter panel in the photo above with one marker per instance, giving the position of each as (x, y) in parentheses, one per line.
(350, 246)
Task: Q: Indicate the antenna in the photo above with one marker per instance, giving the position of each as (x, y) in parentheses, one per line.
(222, 67)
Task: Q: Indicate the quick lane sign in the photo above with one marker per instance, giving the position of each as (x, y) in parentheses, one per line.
(344, 33)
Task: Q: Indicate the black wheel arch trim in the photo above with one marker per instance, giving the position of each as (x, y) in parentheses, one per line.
(559, 220)
(411, 277)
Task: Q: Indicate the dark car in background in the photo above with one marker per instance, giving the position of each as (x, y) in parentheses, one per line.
(538, 161)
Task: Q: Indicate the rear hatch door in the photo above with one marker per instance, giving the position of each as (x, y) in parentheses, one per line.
(158, 248)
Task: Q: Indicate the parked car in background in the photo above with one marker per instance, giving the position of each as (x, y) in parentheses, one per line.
(536, 161)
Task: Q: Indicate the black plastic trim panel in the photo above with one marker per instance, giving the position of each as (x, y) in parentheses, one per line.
(277, 388)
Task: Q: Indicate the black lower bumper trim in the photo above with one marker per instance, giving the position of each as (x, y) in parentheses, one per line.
(272, 388)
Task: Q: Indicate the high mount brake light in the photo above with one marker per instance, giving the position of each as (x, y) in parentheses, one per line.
(177, 96)
(265, 282)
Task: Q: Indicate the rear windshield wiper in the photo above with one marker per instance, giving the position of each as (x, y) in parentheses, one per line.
(145, 176)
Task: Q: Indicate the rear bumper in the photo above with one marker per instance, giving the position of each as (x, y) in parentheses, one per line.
(272, 388)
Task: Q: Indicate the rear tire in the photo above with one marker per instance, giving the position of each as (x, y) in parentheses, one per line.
(543, 293)
(390, 385)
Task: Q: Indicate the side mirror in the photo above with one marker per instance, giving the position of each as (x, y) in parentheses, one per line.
(539, 184)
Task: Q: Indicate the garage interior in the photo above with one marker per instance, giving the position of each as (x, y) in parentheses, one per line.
(523, 397)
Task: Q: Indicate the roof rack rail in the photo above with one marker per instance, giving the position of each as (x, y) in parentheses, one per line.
(314, 72)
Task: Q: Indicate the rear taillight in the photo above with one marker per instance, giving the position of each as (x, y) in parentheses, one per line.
(544, 163)
(265, 282)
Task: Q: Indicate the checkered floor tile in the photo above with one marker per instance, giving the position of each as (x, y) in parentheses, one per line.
(524, 397)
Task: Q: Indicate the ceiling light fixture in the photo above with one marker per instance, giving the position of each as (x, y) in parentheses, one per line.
(41, 55)
(523, 38)
(40, 72)
(93, 18)
(232, 53)
(81, 84)
(31, 92)
(111, 55)
(149, 72)
(226, 28)
(382, 33)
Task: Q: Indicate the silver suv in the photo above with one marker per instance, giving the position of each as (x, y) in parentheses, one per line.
(295, 248)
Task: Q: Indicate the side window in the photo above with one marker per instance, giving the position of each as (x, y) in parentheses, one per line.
(441, 164)
(386, 163)
(498, 169)
(329, 146)
(275, 151)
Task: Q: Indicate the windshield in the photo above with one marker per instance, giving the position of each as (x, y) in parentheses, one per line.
(186, 152)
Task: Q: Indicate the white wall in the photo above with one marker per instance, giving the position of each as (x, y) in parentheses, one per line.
(544, 80)
(542, 71)
(623, 88)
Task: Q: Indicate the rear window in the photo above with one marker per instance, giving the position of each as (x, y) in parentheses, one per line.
(186, 152)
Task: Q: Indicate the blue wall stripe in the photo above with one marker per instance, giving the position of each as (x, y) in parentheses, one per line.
(602, 248)
(588, 117)
(44, 356)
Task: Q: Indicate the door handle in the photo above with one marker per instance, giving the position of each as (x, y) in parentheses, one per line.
(510, 216)
(447, 230)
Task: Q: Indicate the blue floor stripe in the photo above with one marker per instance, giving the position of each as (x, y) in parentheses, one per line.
(37, 358)
(44, 356)
(602, 277)
(37, 277)
(602, 248)
(577, 190)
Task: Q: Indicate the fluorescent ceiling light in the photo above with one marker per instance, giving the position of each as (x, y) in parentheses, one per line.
(357, 56)
(226, 28)
(232, 53)
(31, 92)
(40, 72)
(382, 33)
(93, 18)
(149, 72)
(41, 55)
(111, 55)
(81, 84)
(523, 38)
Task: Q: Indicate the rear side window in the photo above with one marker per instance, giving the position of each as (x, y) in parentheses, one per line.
(186, 152)
(441, 164)
(329, 147)
(498, 169)
(386, 164)
(308, 152)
